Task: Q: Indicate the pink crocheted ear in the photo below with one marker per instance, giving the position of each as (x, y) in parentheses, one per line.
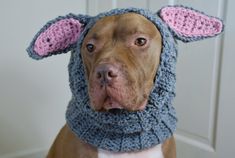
(188, 24)
(57, 36)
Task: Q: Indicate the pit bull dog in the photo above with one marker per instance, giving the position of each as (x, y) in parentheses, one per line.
(120, 56)
(127, 70)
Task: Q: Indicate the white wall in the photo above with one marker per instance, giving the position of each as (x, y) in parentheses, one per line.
(33, 94)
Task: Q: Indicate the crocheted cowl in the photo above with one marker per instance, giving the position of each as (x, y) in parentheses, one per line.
(120, 131)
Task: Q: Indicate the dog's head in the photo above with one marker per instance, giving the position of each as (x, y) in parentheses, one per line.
(121, 50)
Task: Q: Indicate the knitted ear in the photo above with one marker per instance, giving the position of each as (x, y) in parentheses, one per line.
(57, 36)
(188, 24)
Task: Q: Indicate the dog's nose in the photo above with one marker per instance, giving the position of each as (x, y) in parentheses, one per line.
(106, 73)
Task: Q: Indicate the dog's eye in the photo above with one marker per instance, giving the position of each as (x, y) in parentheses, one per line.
(90, 47)
(140, 41)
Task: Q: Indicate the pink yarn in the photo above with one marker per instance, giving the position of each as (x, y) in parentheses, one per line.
(58, 36)
(190, 23)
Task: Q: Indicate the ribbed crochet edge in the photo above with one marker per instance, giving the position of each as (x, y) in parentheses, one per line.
(120, 142)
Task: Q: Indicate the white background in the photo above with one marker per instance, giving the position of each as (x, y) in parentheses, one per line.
(34, 94)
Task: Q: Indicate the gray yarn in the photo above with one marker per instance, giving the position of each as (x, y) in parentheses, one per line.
(125, 131)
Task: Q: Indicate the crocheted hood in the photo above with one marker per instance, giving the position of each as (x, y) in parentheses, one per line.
(124, 131)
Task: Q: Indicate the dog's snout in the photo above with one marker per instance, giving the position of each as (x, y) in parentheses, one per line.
(106, 73)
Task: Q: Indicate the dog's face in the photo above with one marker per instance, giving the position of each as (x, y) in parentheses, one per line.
(121, 54)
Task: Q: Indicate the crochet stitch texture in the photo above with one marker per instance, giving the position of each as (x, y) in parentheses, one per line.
(123, 131)
(57, 37)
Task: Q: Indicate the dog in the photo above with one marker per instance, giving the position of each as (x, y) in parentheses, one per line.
(126, 59)
(113, 53)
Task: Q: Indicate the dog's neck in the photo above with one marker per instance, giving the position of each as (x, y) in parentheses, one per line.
(154, 152)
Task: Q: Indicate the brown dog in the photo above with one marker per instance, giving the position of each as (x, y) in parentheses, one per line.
(121, 55)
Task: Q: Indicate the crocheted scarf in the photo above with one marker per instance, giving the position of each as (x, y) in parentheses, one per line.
(121, 130)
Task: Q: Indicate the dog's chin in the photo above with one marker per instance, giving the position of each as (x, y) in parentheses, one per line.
(111, 105)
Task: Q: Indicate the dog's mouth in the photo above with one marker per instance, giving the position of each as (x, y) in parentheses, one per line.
(108, 101)
(111, 103)
(112, 106)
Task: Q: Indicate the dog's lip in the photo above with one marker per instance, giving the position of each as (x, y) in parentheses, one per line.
(107, 100)
(111, 103)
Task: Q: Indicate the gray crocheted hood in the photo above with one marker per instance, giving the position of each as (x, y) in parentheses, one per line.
(124, 131)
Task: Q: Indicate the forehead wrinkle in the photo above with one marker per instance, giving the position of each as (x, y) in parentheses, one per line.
(103, 28)
(119, 26)
(132, 23)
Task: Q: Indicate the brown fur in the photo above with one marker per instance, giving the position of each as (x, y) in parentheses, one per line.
(169, 148)
(68, 145)
(113, 37)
